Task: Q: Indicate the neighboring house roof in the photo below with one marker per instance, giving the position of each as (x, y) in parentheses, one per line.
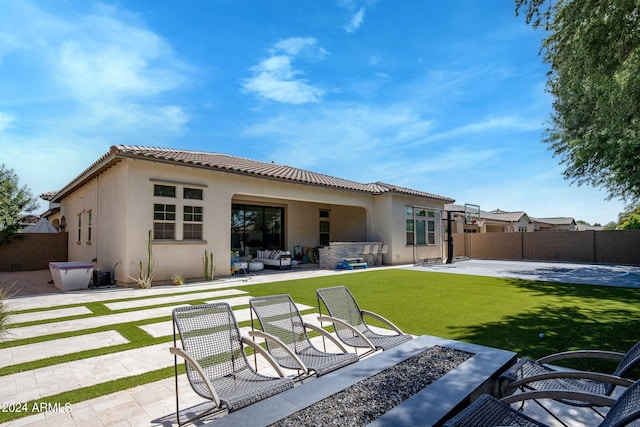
(499, 215)
(29, 220)
(556, 220)
(48, 195)
(495, 215)
(244, 166)
(586, 227)
(42, 226)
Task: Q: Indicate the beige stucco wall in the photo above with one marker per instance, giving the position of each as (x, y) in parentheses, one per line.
(122, 201)
(390, 227)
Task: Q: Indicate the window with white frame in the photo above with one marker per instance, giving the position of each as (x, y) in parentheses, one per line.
(89, 225)
(164, 221)
(192, 223)
(420, 226)
(324, 227)
(164, 190)
(192, 193)
(177, 212)
(79, 228)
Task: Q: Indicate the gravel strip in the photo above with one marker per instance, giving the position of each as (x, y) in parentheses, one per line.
(369, 399)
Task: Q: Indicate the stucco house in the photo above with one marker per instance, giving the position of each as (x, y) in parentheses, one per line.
(555, 224)
(495, 221)
(194, 200)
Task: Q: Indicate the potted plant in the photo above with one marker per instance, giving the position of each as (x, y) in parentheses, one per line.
(177, 279)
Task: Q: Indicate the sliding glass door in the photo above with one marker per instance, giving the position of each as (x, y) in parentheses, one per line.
(256, 228)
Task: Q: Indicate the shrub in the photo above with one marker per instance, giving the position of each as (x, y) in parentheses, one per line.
(4, 308)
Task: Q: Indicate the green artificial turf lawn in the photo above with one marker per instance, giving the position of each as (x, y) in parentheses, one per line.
(503, 313)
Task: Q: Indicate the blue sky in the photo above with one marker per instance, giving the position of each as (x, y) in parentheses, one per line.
(445, 97)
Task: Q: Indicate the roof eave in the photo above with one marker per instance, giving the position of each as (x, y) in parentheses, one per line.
(94, 170)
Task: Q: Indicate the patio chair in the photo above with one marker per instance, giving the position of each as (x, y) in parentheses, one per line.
(374, 253)
(488, 411)
(383, 251)
(529, 374)
(216, 365)
(349, 324)
(287, 341)
(366, 252)
(538, 374)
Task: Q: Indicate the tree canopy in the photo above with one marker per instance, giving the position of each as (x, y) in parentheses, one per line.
(593, 49)
(630, 218)
(15, 201)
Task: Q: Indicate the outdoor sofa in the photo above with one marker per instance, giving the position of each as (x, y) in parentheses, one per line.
(274, 259)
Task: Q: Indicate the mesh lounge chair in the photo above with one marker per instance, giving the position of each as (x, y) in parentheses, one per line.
(487, 411)
(538, 375)
(217, 367)
(287, 340)
(350, 326)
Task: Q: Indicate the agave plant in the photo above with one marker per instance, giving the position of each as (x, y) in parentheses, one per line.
(145, 276)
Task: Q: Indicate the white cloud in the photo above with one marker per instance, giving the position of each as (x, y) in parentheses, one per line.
(297, 45)
(493, 123)
(88, 80)
(348, 137)
(5, 122)
(98, 61)
(356, 21)
(275, 78)
(356, 13)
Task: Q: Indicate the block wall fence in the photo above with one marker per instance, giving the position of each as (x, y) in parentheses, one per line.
(605, 247)
(33, 251)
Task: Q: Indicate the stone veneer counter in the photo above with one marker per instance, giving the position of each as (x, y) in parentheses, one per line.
(336, 252)
(431, 406)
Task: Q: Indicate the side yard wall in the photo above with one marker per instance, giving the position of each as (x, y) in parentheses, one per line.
(33, 251)
(607, 247)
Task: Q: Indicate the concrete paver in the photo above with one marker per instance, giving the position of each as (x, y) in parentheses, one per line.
(49, 314)
(98, 321)
(61, 347)
(171, 299)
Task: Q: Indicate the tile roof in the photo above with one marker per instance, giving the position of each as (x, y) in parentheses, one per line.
(503, 215)
(497, 214)
(556, 220)
(245, 166)
(48, 195)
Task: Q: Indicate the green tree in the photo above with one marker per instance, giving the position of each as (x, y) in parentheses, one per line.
(593, 49)
(630, 219)
(632, 222)
(15, 202)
